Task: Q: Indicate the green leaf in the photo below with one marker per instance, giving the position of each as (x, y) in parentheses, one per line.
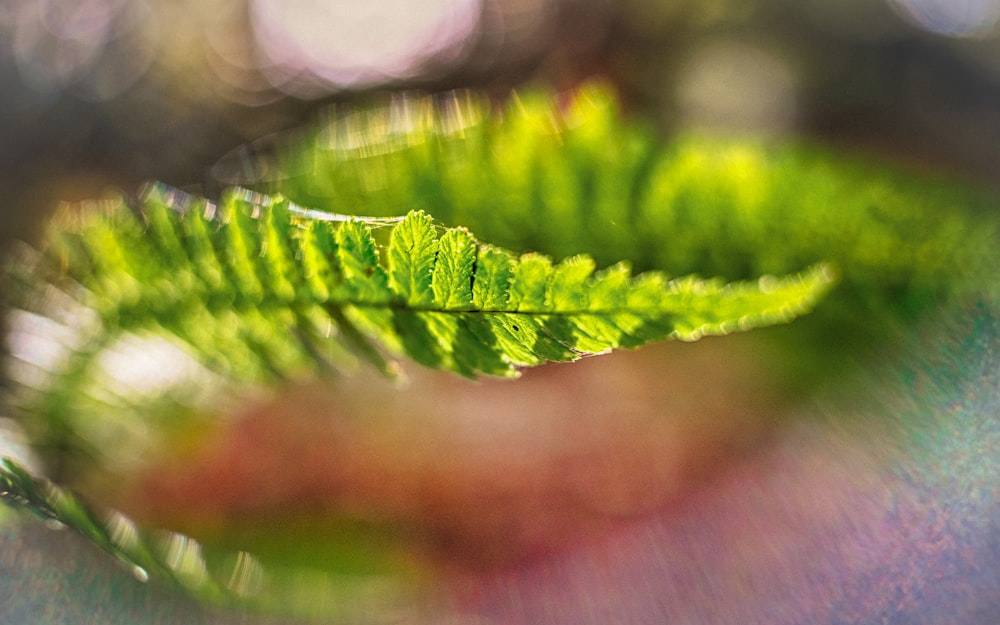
(530, 283)
(494, 270)
(364, 280)
(444, 300)
(453, 271)
(412, 250)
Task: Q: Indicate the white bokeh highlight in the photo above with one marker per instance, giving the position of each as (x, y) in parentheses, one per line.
(951, 18)
(350, 43)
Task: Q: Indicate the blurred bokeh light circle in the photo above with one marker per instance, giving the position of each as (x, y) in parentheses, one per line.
(351, 43)
(90, 46)
(732, 85)
(953, 18)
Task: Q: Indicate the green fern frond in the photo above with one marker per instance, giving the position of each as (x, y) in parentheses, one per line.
(215, 575)
(112, 533)
(255, 286)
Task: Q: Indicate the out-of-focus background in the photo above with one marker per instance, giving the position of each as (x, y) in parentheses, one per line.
(99, 93)
(106, 94)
